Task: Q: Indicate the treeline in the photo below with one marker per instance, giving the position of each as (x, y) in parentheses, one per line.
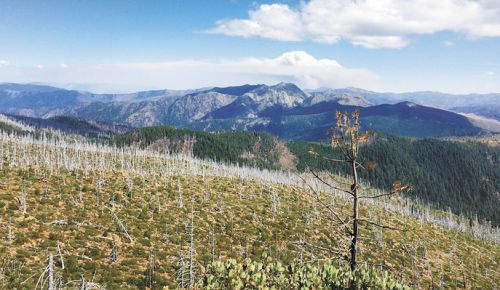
(246, 148)
(463, 177)
(72, 125)
(8, 128)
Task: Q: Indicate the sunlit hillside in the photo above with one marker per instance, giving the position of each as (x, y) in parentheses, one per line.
(108, 216)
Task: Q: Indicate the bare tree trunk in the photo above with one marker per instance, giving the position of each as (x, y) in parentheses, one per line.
(10, 236)
(182, 271)
(121, 226)
(355, 215)
(191, 249)
(151, 282)
(60, 254)
(22, 200)
(212, 243)
(83, 285)
(50, 273)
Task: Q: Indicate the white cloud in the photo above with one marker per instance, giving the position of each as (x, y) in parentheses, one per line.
(299, 67)
(3, 62)
(39, 66)
(369, 23)
(295, 66)
(63, 65)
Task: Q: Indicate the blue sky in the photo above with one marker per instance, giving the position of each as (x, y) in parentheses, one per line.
(109, 45)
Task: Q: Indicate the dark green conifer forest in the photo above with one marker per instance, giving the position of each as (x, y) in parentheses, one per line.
(462, 177)
(450, 175)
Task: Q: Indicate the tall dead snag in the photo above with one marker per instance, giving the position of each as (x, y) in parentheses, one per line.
(21, 200)
(347, 138)
(151, 271)
(120, 225)
(191, 248)
(50, 273)
(47, 275)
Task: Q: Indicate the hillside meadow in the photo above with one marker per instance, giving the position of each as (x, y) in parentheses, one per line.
(109, 214)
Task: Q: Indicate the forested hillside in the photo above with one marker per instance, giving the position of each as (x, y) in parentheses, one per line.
(72, 125)
(464, 177)
(238, 145)
(83, 215)
(248, 148)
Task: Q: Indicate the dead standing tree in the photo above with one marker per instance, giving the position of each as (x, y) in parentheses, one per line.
(347, 139)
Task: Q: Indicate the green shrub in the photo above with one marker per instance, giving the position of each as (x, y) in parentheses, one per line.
(269, 274)
(21, 239)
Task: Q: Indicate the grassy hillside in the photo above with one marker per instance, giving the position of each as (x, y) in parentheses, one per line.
(115, 215)
(462, 177)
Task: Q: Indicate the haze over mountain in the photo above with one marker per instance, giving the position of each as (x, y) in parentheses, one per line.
(282, 109)
(481, 104)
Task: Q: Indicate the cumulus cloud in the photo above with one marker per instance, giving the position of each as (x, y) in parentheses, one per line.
(299, 67)
(295, 66)
(3, 62)
(368, 23)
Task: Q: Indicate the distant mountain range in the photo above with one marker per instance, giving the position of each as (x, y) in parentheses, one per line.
(282, 109)
(467, 103)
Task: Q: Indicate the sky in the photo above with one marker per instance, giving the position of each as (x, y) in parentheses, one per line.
(383, 45)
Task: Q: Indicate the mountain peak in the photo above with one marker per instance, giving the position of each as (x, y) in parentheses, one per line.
(283, 84)
(340, 98)
(289, 88)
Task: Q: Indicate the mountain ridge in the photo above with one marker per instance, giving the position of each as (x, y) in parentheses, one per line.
(247, 107)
